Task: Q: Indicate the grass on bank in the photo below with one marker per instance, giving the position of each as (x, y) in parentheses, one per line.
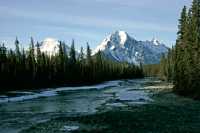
(167, 114)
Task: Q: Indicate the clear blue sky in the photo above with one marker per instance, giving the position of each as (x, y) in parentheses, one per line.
(88, 20)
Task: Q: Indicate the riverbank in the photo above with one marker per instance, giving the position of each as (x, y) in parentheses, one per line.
(143, 105)
(166, 113)
(7, 89)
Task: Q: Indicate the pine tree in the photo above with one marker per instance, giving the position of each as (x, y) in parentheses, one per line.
(195, 46)
(31, 60)
(187, 52)
(180, 50)
(35, 69)
(72, 53)
(81, 56)
(89, 53)
(39, 61)
(17, 49)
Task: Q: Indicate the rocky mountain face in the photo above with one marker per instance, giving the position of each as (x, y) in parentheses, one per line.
(121, 47)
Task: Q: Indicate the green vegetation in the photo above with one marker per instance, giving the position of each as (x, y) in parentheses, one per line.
(167, 114)
(182, 64)
(164, 70)
(187, 74)
(22, 69)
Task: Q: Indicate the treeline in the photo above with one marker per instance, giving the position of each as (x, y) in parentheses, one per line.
(28, 69)
(187, 52)
(164, 70)
(182, 65)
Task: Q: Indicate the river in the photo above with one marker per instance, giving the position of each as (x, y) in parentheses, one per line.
(21, 110)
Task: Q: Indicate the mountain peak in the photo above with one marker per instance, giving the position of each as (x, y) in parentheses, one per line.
(50, 46)
(122, 36)
(114, 40)
(121, 47)
(118, 36)
(155, 41)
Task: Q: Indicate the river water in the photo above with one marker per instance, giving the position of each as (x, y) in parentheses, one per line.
(21, 110)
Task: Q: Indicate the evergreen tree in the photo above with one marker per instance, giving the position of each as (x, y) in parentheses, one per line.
(187, 52)
(35, 69)
(88, 56)
(17, 49)
(72, 53)
(81, 56)
(31, 60)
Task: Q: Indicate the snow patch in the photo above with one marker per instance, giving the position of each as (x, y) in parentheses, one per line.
(123, 37)
(101, 47)
(133, 96)
(50, 46)
(70, 128)
(155, 41)
(119, 46)
(112, 48)
(116, 104)
(28, 97)
(169, 86)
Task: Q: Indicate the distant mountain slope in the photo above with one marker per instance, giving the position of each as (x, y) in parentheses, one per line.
(50, 46)
(120, 47)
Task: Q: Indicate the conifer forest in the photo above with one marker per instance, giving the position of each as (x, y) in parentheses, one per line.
(181, 65)
(33, 69)
(134, 67)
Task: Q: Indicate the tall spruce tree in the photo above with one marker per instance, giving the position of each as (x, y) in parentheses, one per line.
(180, 50)
(81, 56)
(72, 54)
(89, 55)
(17, 49)
(187, 52)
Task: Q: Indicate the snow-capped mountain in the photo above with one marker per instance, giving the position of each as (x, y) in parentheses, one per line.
(120, 47)
(50, 46)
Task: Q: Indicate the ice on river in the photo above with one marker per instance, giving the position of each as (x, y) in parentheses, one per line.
(54, 92)
(32, 108)
(28, 97)
(133, 96)
(70, 128)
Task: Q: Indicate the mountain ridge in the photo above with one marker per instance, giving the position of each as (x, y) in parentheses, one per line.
(120, 46)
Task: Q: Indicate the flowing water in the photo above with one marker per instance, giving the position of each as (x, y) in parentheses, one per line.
(21, 110)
